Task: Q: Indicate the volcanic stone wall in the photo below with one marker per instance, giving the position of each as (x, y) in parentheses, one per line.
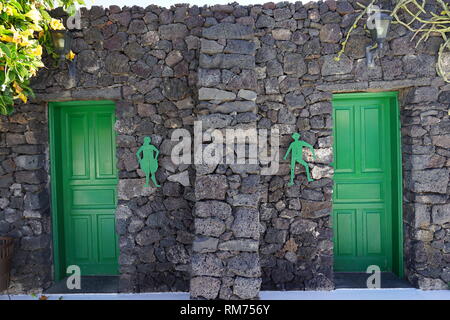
(225, 230)
(148, 53)
(24, 196)
(426, 146)
(225, 263)
(297, 74)
(296, 242)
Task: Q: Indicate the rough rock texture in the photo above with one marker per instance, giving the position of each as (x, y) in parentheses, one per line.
(269, 66)
(222, 258)
(156, 238)
(296, 235)
(296, 247)
(147, 71)
(24, 196)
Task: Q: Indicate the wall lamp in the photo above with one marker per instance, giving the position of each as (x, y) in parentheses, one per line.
(378, 33)
(62, 42)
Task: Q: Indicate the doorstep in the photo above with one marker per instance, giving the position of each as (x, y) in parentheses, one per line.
(89, 284)
(358, 280)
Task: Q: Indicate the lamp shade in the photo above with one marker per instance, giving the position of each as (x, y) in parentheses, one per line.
(382, 24)
(62, 41)
(58, 39)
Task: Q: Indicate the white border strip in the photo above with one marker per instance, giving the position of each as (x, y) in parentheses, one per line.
(339, 294)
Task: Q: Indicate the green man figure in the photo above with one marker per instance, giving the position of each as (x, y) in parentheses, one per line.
(296, 148)
(149, 160)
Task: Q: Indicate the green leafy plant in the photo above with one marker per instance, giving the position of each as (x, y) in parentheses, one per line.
(24, 31)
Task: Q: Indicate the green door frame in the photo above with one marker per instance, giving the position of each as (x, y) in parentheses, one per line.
(55, 181)
(397, 196)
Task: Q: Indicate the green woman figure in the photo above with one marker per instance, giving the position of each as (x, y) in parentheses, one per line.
(148, 161)
(296, 149)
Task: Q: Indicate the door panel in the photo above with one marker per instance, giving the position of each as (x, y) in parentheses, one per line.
(104, 146)
(106, 232)
(345, 140)
(345, 221)
(89, 181)
(81, 239)
(357, 191)
(372, 224)
(362, 201)
(86, 196)
(78, 144)
(371, 132)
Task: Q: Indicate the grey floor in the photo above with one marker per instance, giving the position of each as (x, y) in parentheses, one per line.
(89, 284)
(358, 280)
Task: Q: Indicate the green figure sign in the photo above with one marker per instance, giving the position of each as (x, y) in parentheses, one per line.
(148, 161)
(296, 149)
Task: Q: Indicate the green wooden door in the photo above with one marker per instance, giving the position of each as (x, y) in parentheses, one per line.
(88, 178)
(364, 182)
